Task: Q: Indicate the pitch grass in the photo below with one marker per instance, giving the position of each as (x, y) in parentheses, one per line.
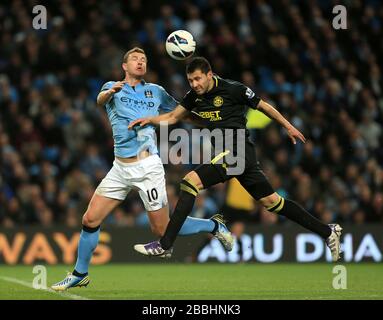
(204, 281)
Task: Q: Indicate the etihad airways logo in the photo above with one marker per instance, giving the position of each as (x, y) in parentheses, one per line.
(137, 102)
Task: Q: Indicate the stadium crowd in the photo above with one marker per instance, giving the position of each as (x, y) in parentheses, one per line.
(56, 145)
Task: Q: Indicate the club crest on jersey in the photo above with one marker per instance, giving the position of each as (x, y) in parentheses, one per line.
(218, 101)
(148, 94)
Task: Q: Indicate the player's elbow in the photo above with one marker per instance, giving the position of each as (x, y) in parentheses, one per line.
(99, 102)
(103, 98)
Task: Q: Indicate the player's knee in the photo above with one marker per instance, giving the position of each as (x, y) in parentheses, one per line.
(191, 183)
(273, 203)
(90, 221)
(269, 200)
(194, 178)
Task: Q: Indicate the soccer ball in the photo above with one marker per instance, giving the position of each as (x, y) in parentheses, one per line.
(180, 45)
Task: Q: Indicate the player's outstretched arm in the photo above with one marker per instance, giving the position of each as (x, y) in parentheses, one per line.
(195, 119)
(270, 111)
(168, 118)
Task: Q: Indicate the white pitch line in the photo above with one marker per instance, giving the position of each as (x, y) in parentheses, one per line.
(27, 284)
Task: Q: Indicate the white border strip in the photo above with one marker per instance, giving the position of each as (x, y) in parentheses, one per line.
(27, 284)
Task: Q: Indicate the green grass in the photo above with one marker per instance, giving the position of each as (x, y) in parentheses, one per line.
(204, 281)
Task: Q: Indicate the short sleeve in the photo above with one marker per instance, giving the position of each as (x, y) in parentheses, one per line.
(245, 95)
(168, 103)
(107, 85)
(188, 101)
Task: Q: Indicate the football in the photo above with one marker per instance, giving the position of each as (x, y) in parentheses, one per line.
(180, 45)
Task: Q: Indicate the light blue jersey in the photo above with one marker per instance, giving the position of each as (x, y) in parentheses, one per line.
(131, 103)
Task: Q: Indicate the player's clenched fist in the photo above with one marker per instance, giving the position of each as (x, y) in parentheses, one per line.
(117, 86)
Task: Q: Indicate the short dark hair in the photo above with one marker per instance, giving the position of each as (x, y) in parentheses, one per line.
(198, 63)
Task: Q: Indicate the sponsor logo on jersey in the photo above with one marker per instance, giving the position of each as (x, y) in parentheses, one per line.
(211, 115)
(137, 102)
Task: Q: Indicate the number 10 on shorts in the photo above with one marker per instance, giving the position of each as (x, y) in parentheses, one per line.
(152, 194)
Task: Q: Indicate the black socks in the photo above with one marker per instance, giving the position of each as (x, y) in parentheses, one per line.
(296, 213)
(183, 209)
(78, 274)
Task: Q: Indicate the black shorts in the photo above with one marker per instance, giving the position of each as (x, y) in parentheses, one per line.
(252, 178)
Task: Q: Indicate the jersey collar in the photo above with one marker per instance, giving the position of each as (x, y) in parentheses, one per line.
(142, 82)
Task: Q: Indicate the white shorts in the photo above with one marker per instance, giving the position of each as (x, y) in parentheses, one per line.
(146, 175)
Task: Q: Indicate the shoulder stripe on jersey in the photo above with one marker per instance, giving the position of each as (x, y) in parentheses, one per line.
(216, 81)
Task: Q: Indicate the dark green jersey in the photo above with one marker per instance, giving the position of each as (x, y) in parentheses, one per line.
(224, 106)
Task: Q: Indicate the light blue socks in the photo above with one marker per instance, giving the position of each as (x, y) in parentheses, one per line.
(196, 225)
(88, 242)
